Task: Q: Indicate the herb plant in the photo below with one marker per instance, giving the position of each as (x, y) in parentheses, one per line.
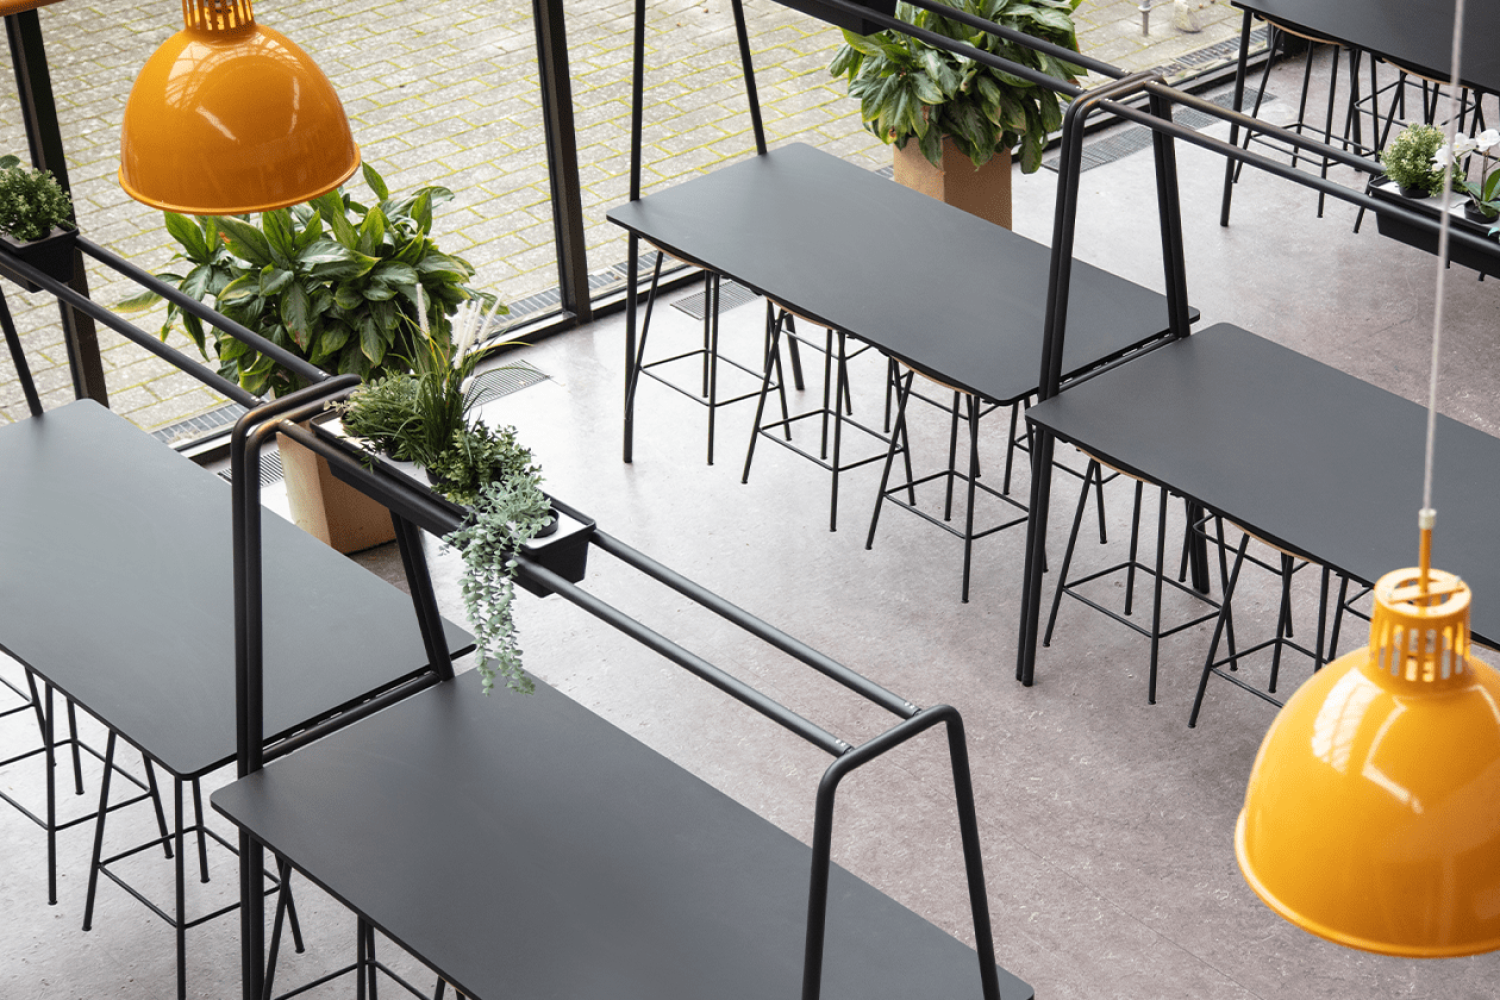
(333, 281)
(1408, 159)
(910, 90)
(507, 514)
(32, 202)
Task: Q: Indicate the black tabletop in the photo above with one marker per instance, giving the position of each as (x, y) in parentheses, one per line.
(524, 847)
(1298, 452)
(116, 585)
(958, 297)
(1415, 33)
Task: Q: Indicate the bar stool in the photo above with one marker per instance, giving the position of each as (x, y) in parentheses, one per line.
(1287, 565)
(1279, 38)
(833, 415)
(1094, 474)
(707, 392)
(970, 408)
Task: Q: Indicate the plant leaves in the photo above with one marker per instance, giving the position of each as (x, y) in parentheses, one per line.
(375, 181)
(246, 242)
(186, 232)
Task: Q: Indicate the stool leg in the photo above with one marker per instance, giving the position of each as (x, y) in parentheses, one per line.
(897, 436)
(773, 358)
(952, 458)
(1338, 618)
(1213, 646)
(1010, 447)
(73, 745)
(1099, 497)
(1135, 538)
(842, 380)
(88, 899)
(973, 408)
(49, 743)
(161, 816)
(712, 361)
(180, 893)
(202, 838)
(1318, 660)
(1283, 619)
(361, 960)
(827, 391)
(1062, 577)
(760, 405)
(1161, 555)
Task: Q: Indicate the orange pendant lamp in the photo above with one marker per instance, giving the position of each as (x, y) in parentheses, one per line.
(230, 117)
(1372, 816)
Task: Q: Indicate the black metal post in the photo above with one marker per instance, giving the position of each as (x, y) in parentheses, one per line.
(28, 56)
(562, 159)
(748, 66)
(1063, 227)
(1239, 105)
(423, 597)
(18, 357)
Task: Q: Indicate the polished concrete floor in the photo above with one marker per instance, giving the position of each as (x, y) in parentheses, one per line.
(1106, 822)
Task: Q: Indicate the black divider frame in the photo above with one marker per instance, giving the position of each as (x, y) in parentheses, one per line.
(1161, 99)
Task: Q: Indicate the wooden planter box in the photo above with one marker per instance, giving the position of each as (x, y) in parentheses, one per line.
(1384, 189)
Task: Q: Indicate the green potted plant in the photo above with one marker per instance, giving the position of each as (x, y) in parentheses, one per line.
(36, 220)
(1408, 161)
(956, 108)
(423, 417)
(343, 284)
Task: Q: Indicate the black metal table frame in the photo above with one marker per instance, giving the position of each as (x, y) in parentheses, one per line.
(415, 506)
(71, 301)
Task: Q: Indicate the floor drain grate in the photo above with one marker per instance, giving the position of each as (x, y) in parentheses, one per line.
(732, 294)
(491, 385)
(1121, 144)
(270, 470)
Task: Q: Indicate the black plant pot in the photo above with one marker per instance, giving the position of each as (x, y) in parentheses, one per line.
(1475, 214)
(1412, 192)
(52, 254)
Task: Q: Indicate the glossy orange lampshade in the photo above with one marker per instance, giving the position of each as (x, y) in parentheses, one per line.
(1372, 816)
(230, 117)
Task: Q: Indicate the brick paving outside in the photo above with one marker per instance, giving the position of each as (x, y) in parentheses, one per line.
(447, 94)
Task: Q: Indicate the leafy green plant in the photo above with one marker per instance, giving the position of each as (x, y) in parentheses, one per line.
(476, 457)
(908, 89)
(333, 281)
(1408, 159)
(32, 203)
(507, 513)
(417, 417)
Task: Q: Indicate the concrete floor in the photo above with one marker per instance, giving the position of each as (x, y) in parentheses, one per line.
(1106, 823)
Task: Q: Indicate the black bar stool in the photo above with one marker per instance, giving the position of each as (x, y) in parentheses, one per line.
(706, 392)
(1093, 475)
(969, 408)
(1286, 566)
(833, 415)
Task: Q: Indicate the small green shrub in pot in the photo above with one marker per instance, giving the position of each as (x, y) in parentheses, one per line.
(910, 90)
(1408, 160)
(32, 202)
(333, 281)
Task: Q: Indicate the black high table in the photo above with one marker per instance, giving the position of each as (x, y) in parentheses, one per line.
(116, 587)
(523, 847)
(949, 294)
(1417, 34)
(1301, 454)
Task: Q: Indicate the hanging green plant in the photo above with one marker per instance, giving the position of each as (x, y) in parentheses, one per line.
(506, 514)
(909, 90)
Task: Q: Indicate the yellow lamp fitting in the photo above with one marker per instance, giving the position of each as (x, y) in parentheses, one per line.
(1372, 816)
(230, 117)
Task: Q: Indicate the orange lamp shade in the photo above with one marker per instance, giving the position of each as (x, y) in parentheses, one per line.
(229, 117)
(1372, 817)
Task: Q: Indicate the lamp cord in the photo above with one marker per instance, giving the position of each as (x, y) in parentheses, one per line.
(1427, 516)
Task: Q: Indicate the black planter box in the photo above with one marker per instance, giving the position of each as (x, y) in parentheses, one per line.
(1383, 189)
(52, 255)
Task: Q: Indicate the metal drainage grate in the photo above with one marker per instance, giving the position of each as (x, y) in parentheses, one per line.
(732, 294)
(1121, 144)
(196, 427)
(270, 469)
(491, 385)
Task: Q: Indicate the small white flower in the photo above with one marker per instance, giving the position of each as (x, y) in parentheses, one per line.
(1487, 140)
(1443, 156)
